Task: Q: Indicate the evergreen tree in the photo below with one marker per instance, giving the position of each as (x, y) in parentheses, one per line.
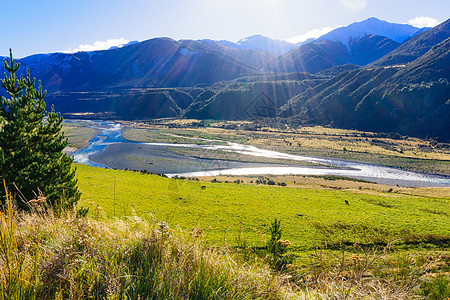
(31, 144)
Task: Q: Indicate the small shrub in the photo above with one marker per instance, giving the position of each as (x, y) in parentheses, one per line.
(276, 247)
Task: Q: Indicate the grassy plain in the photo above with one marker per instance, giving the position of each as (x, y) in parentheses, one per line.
(311, 216)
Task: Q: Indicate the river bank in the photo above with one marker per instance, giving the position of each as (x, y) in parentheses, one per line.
(110, 149)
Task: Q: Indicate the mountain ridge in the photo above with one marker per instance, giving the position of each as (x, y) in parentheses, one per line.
(416, 46)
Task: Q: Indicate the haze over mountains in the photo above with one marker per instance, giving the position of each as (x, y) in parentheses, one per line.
(370, 75)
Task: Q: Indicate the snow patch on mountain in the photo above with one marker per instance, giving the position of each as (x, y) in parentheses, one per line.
(187, 52)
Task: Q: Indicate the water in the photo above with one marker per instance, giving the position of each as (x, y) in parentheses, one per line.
(111, 135)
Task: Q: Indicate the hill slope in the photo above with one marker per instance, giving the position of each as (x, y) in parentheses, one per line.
(311, 58)
(411, 100)
(321, 55)
(369, 48)
(416, 46)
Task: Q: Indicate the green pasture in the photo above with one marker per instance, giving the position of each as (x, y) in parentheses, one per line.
(310, 218)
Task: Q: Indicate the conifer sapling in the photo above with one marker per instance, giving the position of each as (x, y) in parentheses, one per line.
(31, 144)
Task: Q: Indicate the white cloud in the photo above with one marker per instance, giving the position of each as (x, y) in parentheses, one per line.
(354, 4)
(315, 33)
(423, 22)
(99, 45)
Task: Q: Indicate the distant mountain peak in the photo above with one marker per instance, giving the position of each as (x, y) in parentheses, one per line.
(372, 20)
(262, 43)
(394, 31)
(253, 37)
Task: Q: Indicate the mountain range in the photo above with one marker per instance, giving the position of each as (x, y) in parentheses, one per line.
(370, 75)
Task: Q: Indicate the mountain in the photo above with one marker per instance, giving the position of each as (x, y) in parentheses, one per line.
(323, 82)
(369, 48)
(311, 58)
(320, 55)
(160, 62)
(261, 43)
(412, 99)
(359, 43)
(416, 46)
(393, 31)
(253, 58)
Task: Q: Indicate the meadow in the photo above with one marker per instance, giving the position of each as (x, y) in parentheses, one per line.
(387, 243)
(123, 250)
(311, 217)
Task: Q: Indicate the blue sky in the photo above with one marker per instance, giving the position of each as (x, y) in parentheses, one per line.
(43, 26)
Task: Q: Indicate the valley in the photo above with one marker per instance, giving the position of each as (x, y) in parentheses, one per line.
(215, 150)
(212, 169)
(324, 217)
(391, 150)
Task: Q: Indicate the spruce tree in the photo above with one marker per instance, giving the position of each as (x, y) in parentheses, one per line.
(31, 144)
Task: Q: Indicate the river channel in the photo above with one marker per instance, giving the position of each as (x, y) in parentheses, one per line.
(109, 149)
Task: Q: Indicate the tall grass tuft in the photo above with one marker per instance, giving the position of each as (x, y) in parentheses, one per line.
(18, 268)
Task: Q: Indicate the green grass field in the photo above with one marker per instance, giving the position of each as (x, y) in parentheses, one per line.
(310, 217)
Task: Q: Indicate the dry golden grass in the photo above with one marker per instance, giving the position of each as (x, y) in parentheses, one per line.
(45, 257)
(313, 138)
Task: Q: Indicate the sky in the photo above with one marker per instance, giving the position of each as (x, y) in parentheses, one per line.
(46, 26)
